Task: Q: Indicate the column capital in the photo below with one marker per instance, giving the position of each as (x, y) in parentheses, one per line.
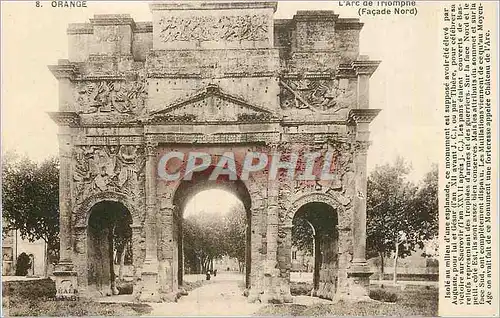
(362, 146)
(151, 148)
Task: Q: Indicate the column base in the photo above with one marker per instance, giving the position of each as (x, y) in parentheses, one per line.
(149, 281)
(169, 297)
(285, 290)
(253, 295)
(66, 281)
(272, 294)
(359, 280)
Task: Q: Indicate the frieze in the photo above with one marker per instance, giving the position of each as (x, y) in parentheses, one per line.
(254, 117)
(210, 28)
(128, 97)
(108, 140)
(312, 137)
(98, 169)
(316, 94)
(217, 138)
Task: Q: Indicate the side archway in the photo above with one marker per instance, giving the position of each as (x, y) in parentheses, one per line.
(105, 227)
(319, 216)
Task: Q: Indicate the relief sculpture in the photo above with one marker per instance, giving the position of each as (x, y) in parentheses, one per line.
(209, 28)
(109, 168)
(112, 96)
(319, 95)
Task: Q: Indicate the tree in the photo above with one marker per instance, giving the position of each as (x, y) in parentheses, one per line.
(427, 205)
(203, 239)
(400, 216)
(302, 235)
(208, 236)
(235, 234)
(30, 199)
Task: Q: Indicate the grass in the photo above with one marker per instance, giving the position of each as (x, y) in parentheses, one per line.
(411, 277)
(36, 298)
(383, 295)
(413, 301)
(52, 308)
(189, 286)
(301, 288)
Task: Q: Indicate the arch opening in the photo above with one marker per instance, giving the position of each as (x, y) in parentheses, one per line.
(109, 249)
(187, 194)
(314, 253)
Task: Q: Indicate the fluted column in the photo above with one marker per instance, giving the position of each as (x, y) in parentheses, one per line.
(271, 270)
(65, 274)
(150, 285)
(65, 194)
(360, 118)
(359, 220)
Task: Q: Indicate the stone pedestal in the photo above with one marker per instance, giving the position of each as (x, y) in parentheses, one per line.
(66, 281)
(359, 281)
(271, 284)
(149, 281)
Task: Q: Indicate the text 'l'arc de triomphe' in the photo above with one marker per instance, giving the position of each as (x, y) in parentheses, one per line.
(223, 77)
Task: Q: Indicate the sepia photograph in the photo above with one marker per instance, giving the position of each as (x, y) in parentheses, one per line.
(249, 158)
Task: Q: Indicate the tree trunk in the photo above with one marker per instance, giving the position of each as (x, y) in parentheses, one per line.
(122, 263)
(381, 266)
(395, 277)
(46, 269)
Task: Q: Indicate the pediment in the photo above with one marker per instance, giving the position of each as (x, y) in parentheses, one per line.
(212, 104)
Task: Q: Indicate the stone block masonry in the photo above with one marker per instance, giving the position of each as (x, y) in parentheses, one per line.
(227, 77)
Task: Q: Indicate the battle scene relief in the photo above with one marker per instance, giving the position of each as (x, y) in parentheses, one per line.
(100, 169)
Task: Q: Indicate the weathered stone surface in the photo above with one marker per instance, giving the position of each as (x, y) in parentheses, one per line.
(224, 77)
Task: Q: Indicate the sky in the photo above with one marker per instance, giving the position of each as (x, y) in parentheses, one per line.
(406, 85)
(198, 203)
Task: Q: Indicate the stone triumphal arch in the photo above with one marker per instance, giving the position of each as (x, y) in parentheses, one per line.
(224, 77)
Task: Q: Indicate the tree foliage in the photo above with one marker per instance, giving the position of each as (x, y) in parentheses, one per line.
(30, 199)
(235, 234)
(302, 235)
(314, 215)
(400, 215)
(208, 236)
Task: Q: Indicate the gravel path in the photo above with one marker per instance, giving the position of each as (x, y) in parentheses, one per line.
(223, 297)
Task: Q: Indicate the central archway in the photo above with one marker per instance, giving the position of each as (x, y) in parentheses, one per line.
(200, 182)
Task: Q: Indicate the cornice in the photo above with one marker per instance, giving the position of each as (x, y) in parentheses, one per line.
(64, 71)
(365, 67)
(112, 19)
(71, 119)
(362, 115)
